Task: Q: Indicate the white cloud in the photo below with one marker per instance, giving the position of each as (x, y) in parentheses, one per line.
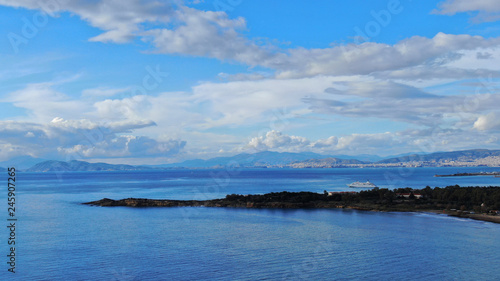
(44, 103)
(64, 139)
(488, 122)
(389, 143)
(102, 92)
(370, 57)
(125, 146)
(485, 59)
(380, 89)
(276, 140)
(173, 28)
(8, 150)
(121, 20)
(127, 108)
(250, 102)
(353, 144)
(488, 10)
(268, 104)
(207, 34)
(397, 102)
(369, 80)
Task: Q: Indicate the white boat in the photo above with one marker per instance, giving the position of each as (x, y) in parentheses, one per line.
(366, 184)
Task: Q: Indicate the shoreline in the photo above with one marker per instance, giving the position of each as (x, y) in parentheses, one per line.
(479, 217)
(494, 174)
(224, 203)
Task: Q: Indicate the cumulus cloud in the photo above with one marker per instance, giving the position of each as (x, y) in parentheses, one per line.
(488, 10)
(276, 140)
(124, 146)
(42, 101)
(273, 103)
(355, 143)
(488, 122)
(121, 20)
(62, 139)
(424, 140)
(368, 80)
(358, 143)
(208, 34)
(397, 102)
(8, 150)
(126, 108)
(486, 60)
(173, 28)
(371, 57)
(249, 102)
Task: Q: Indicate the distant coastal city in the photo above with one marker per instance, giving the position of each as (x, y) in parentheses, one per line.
(270, 159)
(490, 161)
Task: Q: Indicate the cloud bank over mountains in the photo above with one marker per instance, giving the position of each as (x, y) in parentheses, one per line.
(442, 91)
(77, 139)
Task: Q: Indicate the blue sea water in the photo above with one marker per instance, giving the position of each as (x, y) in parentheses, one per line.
(57, 238)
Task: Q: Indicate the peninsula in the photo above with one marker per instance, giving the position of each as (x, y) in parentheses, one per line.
(481, 203)
(496, 174)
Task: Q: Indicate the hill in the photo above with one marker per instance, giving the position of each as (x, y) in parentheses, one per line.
(74, 166)
(260, 159)
(325, 163)
(443, 157)
(269, 159)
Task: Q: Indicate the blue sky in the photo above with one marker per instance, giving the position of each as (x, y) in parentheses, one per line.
(140, 81)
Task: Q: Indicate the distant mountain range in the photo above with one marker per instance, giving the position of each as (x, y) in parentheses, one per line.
(269, 159)
(465, 155)
(260, 159)
(330, 162)
(75, 166)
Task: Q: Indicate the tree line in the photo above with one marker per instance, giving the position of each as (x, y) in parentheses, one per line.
(479, 199)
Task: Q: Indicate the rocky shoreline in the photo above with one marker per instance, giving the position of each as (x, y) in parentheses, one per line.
(305, 200)
(142, 202)
(495, 174)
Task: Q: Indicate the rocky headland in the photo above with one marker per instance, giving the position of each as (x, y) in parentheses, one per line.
(480, 203)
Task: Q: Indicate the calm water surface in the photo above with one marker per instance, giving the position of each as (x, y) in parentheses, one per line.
(60, 239)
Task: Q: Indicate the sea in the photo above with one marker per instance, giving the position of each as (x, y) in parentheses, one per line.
(58, 238)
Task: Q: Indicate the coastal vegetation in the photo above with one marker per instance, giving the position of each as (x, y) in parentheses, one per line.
(453, 200)
(470, 174)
